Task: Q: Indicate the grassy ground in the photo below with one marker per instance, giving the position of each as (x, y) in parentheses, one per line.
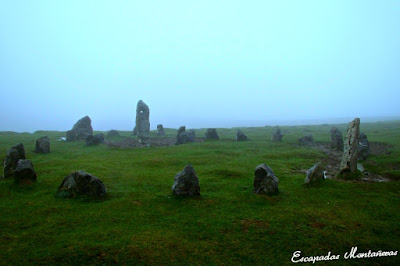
(141, 222)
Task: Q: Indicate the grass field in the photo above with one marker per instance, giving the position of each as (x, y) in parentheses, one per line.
(140, 221)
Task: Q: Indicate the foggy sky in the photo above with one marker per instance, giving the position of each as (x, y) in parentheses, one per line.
(196, 63)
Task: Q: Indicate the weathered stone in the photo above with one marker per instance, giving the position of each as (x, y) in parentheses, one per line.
(94, 139)
(184, 137)
(160, 130)
(112, 133)
(363, 147)
(81, 183)
(192, 135)
(265, 181)
(277, 135)
(181, 129)
(80, 130)
(314, 174)
(42, 145)
(186, 182)
(13, 155)
(134, 131)
(24, 173)
(142, 122)
(350, 150)
(240, 136)
(307, 140)
(336, 139)
(211, 133)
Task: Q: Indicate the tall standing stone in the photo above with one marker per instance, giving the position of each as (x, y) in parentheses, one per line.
(350, 152)
(80, 130)
(142, 121)
(186, 182)
(277, 135)
(160, 130)
(265, 181)
(363, 147)
(42, 145)
(13, 155)
(336, 139)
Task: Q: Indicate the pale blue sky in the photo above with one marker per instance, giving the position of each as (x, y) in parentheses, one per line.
(196, 63)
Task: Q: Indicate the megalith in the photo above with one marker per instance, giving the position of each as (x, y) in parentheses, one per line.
(265, 181)
(25, 173)
(80, 130)
(13, 155)
(160, 130)
(211, 133)
(240, 136)
(350, 149)
(336, 139)
(277, 135)
(142, 122)
(81, 183)
(315, 174)
(42, 145)
(186, 182)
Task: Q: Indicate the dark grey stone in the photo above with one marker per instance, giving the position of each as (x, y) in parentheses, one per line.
(211, 133)
(13, 155)
(336, 139)
(186, 182)
(314, 174)
(307, 140)
(142, 122)
(81, 183)
(265, 181)
(160, 130)
(80, 130)
(25, 173)
(240, 136)
(112, 133)
(363, 147)
(94, 139)
(42, 145)
(184, 137)
(277, 135)
(350, 150)
(192, 135)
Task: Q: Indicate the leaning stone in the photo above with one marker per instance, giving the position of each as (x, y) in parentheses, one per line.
(265, 181)
(350, 153)
(277, 135)
(112, 133)
(186, 182)
(160, 130)
(363, 147)
(314, 174)
(81, 129)
(336, 139)
(25, 173)
(307, 140)
(81, 183)
(42, 145)
(142, 122)
(211, 133)
(240, 136)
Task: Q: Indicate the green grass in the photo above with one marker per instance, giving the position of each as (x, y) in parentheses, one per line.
(141, 222)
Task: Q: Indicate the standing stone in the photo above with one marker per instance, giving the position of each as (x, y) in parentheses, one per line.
(211, 133)
(81, 129)
(160, 130)
(24, 173)
(142, 121)
(42, 145)
(307, 140)
(13, 155)
(81, 183)
(350, 152)
(265, 181)
(240, 136)
(336, 139)
(186, 182)
(363, 147)
(183, 137)
(94, 139)
(277, 135)
(314, 174)
(112, 133)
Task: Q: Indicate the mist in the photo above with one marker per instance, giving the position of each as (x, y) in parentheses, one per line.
(199, 64)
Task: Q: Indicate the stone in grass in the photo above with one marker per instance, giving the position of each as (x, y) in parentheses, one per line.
(211, 133)
(42, 145)
(25, 173)
(112, 133)
(160, 130)
(94, 139)
(363, 147)
(307, 140)
(183, 137)
(240, 136)
(315, 174)
(81, 183)
(350, 150)
(277, 135)
(13, 155)
(265, 181)
(186, 182)
(336, 139)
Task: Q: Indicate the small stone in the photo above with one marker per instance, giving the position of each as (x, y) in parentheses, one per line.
(277, 135)
(42, 145)
(307, 140)
(81, 183)
(112, 133)
(186, 182)
(265, 181)
(240, 136)
(95, 139)
(25, 173)
(314, 174)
